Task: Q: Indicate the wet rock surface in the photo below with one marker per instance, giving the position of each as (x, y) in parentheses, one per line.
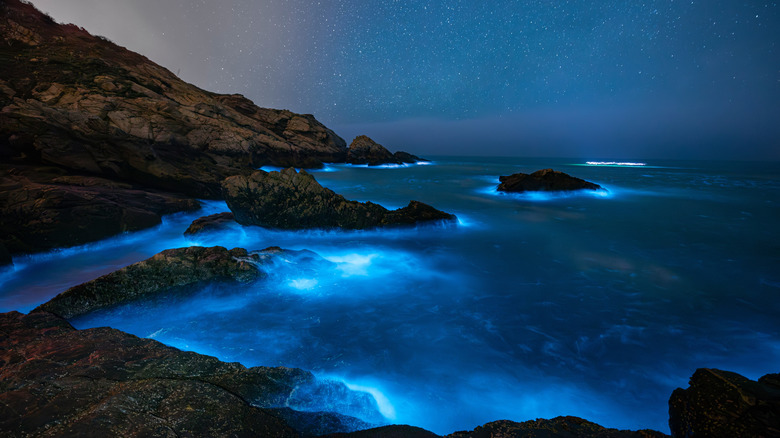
(295, 200)
(45, 207)
(546, 180)
(172, 268)
(363, 150)
(211, 222)
(59, 381)
(725, 404)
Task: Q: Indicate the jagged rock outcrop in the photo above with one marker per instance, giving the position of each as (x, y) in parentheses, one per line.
(83, 103)
(545, 180)
(172, 268)
(210, 222)
(363, 150)
(295, 200)
(720, 404)
(59, 381)
(44, 208)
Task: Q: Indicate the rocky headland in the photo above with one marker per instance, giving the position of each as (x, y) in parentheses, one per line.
(545, 180)
(83, 119)
(363, 150)
(295, 200)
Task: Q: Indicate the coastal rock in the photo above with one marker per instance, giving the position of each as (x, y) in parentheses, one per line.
(363, 150)
(546, 180)
(559, 427)
(406, 157)
(59, 381)
(172, 268)
(295, 200)
(725, 404)
(45, 208)
(210, 222)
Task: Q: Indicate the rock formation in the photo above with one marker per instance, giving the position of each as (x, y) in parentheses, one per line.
(44, 207)
(725, 404)
(76, 105)
(211, 222)
(363, 150)
(295, 200)
(545, 180)
(172, 268)
(59, 381)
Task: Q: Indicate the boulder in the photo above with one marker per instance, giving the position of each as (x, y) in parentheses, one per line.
(211, 222)
(363, 150)
(295, 200)
(59, 381)
(545, 180)
(164, 272)
(724, 404)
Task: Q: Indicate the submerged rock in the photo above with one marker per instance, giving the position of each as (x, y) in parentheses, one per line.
(163, 272)
(295, 200)
(363, 150)
(725, 404)
(210, 222)
(59, 381)
(546, 180)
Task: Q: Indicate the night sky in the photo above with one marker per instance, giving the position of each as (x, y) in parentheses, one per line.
(607, 79)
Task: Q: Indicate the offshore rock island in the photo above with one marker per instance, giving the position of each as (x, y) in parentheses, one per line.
(96, 140)
(545, 180)
(364, 150)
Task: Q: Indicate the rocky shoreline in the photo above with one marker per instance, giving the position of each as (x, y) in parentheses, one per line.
(96, 140)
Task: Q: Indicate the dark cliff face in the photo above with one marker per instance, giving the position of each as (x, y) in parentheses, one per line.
(83, 103)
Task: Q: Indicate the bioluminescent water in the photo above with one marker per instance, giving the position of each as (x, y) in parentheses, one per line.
(594, 304)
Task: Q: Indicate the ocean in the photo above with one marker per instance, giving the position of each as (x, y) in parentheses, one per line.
(594, 304)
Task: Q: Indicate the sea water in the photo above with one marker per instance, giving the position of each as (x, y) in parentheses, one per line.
(595, 304)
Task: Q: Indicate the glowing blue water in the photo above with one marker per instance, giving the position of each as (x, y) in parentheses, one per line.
(595, 304)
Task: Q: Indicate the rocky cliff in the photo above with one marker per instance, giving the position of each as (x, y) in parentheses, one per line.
(78, 105)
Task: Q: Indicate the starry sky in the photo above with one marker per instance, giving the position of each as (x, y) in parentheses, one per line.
(609, 79)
